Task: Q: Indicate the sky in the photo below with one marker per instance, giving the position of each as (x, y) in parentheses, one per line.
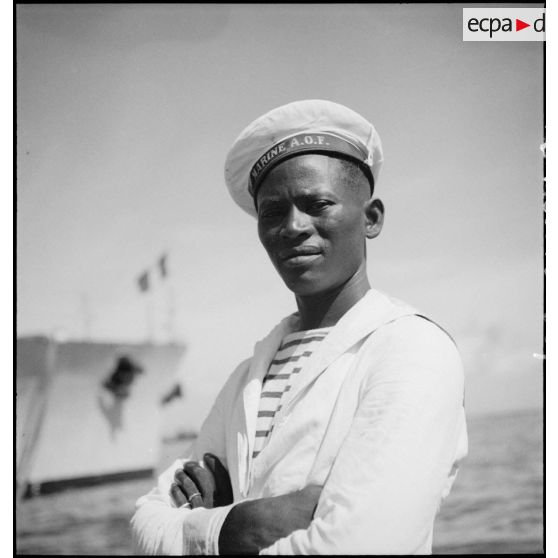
(125, 115)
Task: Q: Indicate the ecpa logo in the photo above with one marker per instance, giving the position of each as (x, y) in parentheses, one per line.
(503, 24)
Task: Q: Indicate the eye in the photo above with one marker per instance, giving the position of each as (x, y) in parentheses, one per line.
(318, 206)
(270, 212)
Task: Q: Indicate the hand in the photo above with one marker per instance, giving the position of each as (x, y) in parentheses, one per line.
(197, 486)
(256, 524)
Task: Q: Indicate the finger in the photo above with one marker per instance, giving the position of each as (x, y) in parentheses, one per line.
(181, 481)
(204, 481)
(178, 477)
(188, 486)
(222, 480)
(177, 495)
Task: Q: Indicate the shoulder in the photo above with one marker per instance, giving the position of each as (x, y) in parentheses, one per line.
(414, 347)
(232, 388)
(265, 346)
(413, 332)
(238, 375)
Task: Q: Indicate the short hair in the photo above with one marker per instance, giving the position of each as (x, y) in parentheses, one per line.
(355, 171)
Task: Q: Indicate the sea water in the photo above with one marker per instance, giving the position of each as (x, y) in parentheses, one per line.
(496, 504)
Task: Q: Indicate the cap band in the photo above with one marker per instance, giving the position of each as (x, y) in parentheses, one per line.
(301, 142)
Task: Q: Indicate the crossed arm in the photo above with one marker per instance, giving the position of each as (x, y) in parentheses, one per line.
(379, 496)
(251, 525)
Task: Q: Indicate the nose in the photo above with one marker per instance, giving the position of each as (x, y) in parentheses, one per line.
(295, 224)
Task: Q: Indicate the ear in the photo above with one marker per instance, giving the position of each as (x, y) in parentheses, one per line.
(374, 211)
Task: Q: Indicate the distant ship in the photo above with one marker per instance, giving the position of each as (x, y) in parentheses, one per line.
(88, 412)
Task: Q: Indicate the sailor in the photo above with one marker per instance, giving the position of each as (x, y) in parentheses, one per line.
(343, 432)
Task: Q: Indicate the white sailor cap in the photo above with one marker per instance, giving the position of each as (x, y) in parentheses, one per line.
(314, 126)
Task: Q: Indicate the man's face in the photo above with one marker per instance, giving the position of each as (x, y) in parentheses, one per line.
(312, 223)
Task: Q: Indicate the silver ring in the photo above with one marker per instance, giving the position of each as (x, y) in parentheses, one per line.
(194, 494)
(186, 505)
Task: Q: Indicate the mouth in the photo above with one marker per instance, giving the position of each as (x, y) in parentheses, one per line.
(301, 255)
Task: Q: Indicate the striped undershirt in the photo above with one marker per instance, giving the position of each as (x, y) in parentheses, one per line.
(289, 361)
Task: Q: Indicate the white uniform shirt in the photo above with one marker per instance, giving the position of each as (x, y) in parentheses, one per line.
(377, 419)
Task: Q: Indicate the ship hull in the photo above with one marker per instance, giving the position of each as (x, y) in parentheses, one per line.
(73, 427)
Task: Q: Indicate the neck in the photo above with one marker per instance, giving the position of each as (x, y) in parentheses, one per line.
(326, 309)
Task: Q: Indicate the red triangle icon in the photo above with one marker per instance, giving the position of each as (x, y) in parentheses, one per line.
(519, 25)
